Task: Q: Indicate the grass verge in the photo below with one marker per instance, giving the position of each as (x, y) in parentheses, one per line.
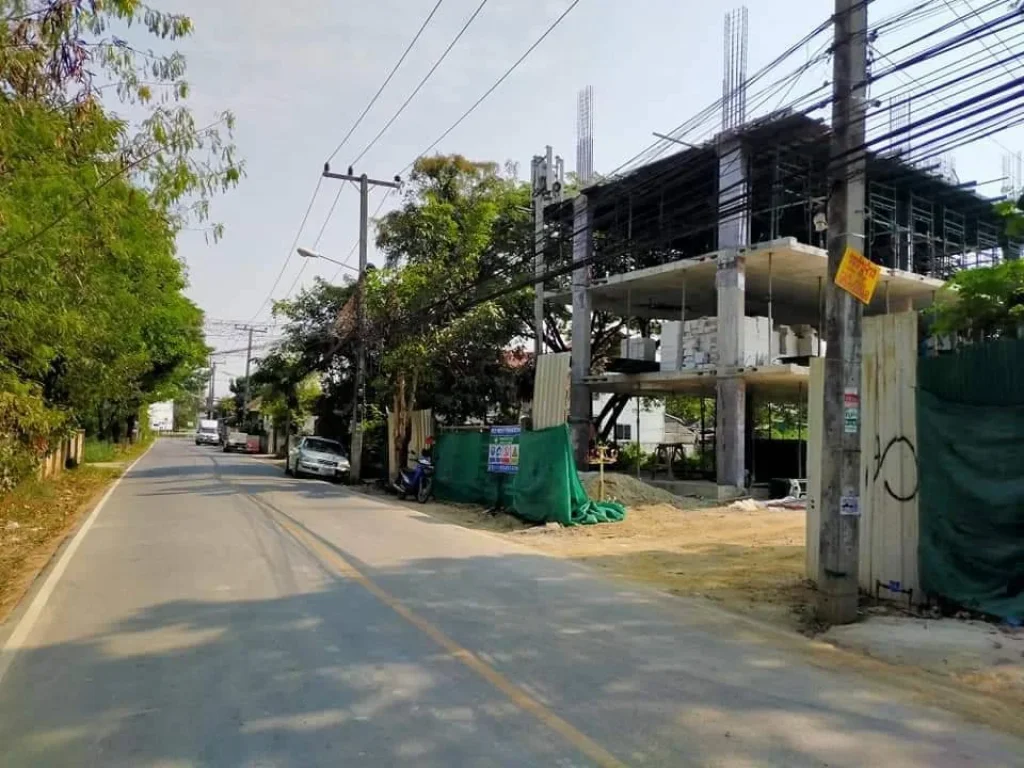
(37, 516)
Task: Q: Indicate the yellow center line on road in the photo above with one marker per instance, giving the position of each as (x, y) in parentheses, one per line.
(513, 692)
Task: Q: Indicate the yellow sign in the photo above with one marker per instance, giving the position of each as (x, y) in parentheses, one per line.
(858, 276)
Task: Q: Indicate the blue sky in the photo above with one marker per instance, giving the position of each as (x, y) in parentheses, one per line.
(297, 74)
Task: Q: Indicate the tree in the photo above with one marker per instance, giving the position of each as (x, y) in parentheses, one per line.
(52, 52)
(94, 325)
(1013, 217)
(94, 312)
(460, 224)
(982, 303)
(313, 346)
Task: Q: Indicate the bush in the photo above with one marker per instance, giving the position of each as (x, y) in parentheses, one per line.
(28, 429)
(631, 453)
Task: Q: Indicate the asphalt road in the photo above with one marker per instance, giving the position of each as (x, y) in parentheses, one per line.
(216, 613)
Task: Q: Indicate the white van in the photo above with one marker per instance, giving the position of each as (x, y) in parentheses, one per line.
(208, 432)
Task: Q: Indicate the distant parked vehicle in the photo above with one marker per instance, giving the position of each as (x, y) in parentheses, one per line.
(317, 456)
(208, 433)
(236, 441)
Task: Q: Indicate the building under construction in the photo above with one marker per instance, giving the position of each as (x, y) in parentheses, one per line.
(723, 244)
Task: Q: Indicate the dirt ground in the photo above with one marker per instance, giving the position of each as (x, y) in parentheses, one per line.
(37, 516)
(747, 561)
(34, 519)
(750, 562)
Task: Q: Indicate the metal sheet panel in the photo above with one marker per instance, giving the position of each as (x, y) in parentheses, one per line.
(889, 471)
(551, 390)
(889, 507)
(815, 413)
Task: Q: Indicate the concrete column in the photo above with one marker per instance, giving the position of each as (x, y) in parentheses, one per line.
(730, 428)
(580, 402)
(730, 283)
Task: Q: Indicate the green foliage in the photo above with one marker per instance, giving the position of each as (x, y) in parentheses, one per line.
(99, 451)
(94, 324)
(631, 453)
(1013, 215)
(982, 303)
(783, 421)
(686, 408)
(461, 223)
(53, 51)
(28, 429)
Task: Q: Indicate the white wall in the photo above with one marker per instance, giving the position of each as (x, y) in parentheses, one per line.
(652, 421)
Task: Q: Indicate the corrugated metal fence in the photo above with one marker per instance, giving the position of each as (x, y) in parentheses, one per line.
(551, 391)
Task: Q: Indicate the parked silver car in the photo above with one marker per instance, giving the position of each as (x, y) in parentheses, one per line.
(317, 456)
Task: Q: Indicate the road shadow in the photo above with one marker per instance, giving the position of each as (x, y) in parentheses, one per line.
(338, 676)
(335, 670)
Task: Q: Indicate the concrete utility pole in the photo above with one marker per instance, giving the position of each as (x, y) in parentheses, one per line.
(248, 362)
(840, 459)
(580, 402)
(210, 395)
(359, 394)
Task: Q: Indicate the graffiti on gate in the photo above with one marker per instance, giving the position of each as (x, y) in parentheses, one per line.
(906, 491)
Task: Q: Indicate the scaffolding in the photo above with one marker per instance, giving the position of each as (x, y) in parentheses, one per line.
(883, 239)
(917, 221)
(954, 243)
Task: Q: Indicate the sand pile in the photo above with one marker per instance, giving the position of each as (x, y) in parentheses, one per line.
(630, 491)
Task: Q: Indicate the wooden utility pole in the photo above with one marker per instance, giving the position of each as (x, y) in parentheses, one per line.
(359, 391)
(840, 460)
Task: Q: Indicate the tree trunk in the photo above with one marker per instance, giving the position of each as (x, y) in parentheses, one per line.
(402, 402)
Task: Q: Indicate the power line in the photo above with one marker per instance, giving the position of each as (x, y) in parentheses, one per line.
(291, 250)
(355, 125)
(422, 82)
(985, 45)
(482, 98)
(387, 80)
(741, 204)
(496, 84)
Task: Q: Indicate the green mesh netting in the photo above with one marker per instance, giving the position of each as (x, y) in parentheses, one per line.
(970, 430)
(545, 489)
(461, 474)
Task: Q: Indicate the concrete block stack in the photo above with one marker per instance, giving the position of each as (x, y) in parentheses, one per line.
(699, 345)
(788, 342)
(694, 344)
(807, 341)
(639, 348)
(758, 339)
(671, 336)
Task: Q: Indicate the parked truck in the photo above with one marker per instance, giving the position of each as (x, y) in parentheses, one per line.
(236, 441)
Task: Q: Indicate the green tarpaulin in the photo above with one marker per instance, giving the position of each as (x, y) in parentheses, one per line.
(545, 489)
(970, 429)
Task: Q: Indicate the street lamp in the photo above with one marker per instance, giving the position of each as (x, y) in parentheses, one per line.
(308, 254)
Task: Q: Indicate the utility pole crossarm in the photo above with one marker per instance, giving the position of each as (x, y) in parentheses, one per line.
(357, 179)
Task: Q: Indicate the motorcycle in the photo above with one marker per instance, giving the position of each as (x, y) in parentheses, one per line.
(418, 482)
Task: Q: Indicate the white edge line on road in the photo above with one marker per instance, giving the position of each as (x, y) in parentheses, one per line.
(31, 616)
